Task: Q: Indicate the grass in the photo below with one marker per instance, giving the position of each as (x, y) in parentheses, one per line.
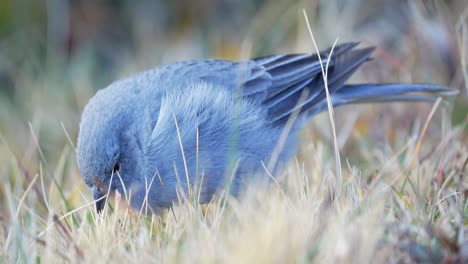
(403, 167)
(413, 211)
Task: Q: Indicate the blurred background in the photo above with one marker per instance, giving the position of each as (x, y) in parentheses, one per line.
(55, 54)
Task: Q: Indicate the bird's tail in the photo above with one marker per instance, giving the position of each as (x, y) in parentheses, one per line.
(371, 93)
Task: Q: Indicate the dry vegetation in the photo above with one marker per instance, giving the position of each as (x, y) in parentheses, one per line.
(404, 167)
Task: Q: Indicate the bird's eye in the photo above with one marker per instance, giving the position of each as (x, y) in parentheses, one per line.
(116, 168)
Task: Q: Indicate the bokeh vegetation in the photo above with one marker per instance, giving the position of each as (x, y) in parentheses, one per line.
(406, 186)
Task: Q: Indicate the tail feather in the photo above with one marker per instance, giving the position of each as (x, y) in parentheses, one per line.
(388, 98)
(380, 93)
(375, 90)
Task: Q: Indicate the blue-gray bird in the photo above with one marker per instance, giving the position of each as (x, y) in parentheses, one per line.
(215, 123)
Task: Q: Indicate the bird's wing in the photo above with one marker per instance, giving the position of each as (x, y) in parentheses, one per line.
(297, 81)
(282, 84)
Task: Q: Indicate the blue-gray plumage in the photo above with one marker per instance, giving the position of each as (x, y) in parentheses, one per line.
(214, 122)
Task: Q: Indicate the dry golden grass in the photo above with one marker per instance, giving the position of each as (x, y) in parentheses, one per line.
(404, 211)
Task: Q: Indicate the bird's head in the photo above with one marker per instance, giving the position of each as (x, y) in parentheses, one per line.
(107, 151)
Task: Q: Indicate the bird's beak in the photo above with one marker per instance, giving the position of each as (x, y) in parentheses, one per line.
(99, 199)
